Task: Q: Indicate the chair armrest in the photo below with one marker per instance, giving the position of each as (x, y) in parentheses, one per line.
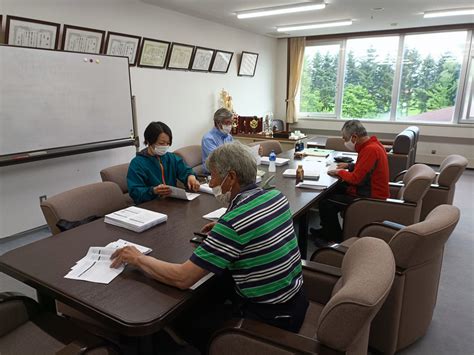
(322, 268)
(367, 210)
(319, 280)
(331, 255)
(264, 333)
(437, 187)
(77, 347)
(400, 174)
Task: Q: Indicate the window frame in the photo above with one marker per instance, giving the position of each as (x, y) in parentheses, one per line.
(459, 116)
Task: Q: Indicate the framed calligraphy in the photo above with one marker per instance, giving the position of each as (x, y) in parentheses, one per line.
(123, 45)
(25, 32)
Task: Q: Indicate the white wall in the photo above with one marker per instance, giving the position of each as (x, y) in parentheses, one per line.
(184, 100)
(444, 139)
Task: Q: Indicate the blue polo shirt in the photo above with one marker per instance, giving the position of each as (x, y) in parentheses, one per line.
(211, 140)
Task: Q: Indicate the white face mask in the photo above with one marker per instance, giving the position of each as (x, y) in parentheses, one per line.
(161, 149)
(223, 198)
(350, 146)
(226, 129)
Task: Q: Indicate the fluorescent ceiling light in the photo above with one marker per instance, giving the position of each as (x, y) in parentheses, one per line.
(279, 10)
(452, 12)
(310, 26)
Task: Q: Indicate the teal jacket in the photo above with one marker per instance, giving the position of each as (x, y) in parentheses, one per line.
(144, 173)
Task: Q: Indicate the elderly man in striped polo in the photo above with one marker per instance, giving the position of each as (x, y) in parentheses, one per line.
(253, 243)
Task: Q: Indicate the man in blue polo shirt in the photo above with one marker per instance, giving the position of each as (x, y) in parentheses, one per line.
(218, 135)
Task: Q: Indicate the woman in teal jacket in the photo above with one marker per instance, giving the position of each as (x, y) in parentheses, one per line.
(154, 169)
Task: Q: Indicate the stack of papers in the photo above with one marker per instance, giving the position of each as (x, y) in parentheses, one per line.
(215, 215)
(181, 194)
(95, 266)
(308, 174)
(312, 185)
(135, 219)
(208, 190)
(278, 162)
(314, 152)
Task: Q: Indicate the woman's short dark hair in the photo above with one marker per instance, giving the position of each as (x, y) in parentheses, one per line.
(153, 131)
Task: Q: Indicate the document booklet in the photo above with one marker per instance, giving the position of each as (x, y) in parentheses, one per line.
(315, 152)
(278, 162)
(95, 266)
(176, 192)
(308, 174)
(312, 185)
(215, 215)
(206, 189)
(135, 218)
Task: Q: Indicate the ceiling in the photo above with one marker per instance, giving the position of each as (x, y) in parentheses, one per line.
(394, 14)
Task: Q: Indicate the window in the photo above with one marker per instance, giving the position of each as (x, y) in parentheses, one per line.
(430, 76)
(319, 78)
(419, 77)
(368, 80)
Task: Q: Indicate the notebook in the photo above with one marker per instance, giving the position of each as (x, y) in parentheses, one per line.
(215, 215)
(135, 219)
(278, 162)
(308, 174)
(312, 185)
(181, 194)
(315, 152)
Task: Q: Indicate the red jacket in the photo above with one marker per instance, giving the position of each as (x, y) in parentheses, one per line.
(369, 176)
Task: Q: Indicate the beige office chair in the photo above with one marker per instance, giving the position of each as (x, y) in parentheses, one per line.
(418, 251)
(268, 146)
(192, 156)
(443, 187)
(25, 329)
(118, 175)
(343, 302)
(83, 202)
(404, 208)
(401, 157)
(336, 144)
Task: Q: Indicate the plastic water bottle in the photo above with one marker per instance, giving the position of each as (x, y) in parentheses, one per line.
(272, 158)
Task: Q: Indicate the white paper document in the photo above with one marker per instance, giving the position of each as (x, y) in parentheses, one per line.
(181, 194)
(95, 266)
(215, 215)
(278, 162)
(315, 185)
(308, 174)
(135, 218)
(205, 188)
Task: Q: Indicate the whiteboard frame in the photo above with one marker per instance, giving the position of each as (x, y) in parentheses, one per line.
(49, 153)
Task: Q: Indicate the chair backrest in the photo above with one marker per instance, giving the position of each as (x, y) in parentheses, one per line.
(416, 244)
(336, 143)
(368, 271)
(451, 169)
(117, 174)
(416, 182)
(278, 124)
(404, 142)
(268, 146)
(96, 199)
(192, 156)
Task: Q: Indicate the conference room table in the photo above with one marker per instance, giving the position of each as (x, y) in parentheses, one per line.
(134, 305)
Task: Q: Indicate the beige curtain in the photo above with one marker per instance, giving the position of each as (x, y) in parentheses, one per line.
(296, 58)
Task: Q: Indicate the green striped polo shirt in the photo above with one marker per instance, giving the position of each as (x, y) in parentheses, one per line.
(256, 242)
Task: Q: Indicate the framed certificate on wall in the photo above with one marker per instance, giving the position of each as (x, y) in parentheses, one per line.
(81, 39)
(123, 45)
(180, 56)
(25, 32)
(153, 53)
(202, 59)
(221, 61)
(248, 64)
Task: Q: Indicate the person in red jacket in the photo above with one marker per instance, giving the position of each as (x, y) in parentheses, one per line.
(368, 177)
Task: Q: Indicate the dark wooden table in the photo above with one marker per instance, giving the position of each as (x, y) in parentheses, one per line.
(134, 304)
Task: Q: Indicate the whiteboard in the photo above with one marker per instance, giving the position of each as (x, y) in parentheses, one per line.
(52, 99)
